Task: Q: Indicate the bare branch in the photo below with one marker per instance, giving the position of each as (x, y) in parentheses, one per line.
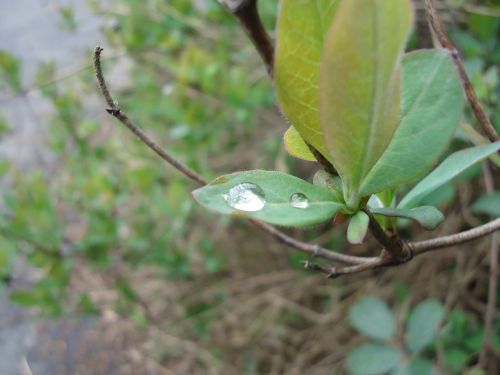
(456, 239)
(115, 111)
(444, 40)
(247, 13)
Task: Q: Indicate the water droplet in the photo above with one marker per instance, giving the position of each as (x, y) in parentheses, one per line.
(246, 197)
(299, 200)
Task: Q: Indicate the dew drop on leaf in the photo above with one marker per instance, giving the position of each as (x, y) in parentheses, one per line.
(246, 197)
(299, 200)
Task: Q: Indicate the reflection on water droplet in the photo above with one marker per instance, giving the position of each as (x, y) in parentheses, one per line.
(246, 197)
(299, 200)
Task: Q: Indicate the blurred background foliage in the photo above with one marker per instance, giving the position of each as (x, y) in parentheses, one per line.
(109, 226)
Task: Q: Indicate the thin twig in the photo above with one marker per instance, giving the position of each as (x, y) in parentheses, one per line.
(416, 248)
(115, 111)
(489, 315)
(456, 239)
(445, 42)
(248, 14)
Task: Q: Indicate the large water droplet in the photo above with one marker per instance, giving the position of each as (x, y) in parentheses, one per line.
(299, 200)
(246, 197)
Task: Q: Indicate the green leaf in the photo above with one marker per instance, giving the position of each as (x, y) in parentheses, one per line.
(488, 204)
(360, 85)
(296, 146)
(358, 226)
(451, 167)
(302, 25)
(10, 71)
(432, 103)
(372, 359)
(417, 366)
(427, 216)
(274, 197)
(372, 317)
(478, 139)
(423, 324)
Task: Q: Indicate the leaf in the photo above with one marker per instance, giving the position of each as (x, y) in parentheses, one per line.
(274, 197)
(488, 204)
(451, 167)
(478, 139)
(10, 71)
(432, 104)
(372, 359)
(423, 324)
(358, 226)
(417, 366)
(302, 25)
(427, 216)
(296, 146)
(372, 317)
(360, 85)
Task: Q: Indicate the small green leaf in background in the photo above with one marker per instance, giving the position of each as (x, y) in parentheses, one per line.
(423, 324)
(302, 25)
(488, 205)
(358, 226)
(296, 146)
(372, 317)
(451, 167)
(417, 366)
(10, 71)
(428, 217)
(372, 359)
(360, 85)
(432, 105)
(274, 197)
(475, 371)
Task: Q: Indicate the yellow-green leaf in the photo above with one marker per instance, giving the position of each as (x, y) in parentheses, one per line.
(302, 25)
(296, 146)
(360, 85)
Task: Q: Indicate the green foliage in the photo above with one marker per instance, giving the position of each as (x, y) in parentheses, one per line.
(428, 119)
(10, 71)
(373, 359)
(301, 30)
(488, 205)
(358, 227)
(296, 146)
(447, 170)
(373, 318)
(423, 324)
(428, 217)
(274, 197)
(460, 338)
(382, 119)
(360, 85)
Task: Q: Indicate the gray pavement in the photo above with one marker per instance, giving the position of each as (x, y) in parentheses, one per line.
(31, 31)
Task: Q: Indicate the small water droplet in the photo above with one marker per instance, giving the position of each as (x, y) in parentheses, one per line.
(299, 200)
(246, 197)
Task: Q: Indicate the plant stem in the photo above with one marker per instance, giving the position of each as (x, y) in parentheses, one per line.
(248, 14)
(444, 40)
(392, 244)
